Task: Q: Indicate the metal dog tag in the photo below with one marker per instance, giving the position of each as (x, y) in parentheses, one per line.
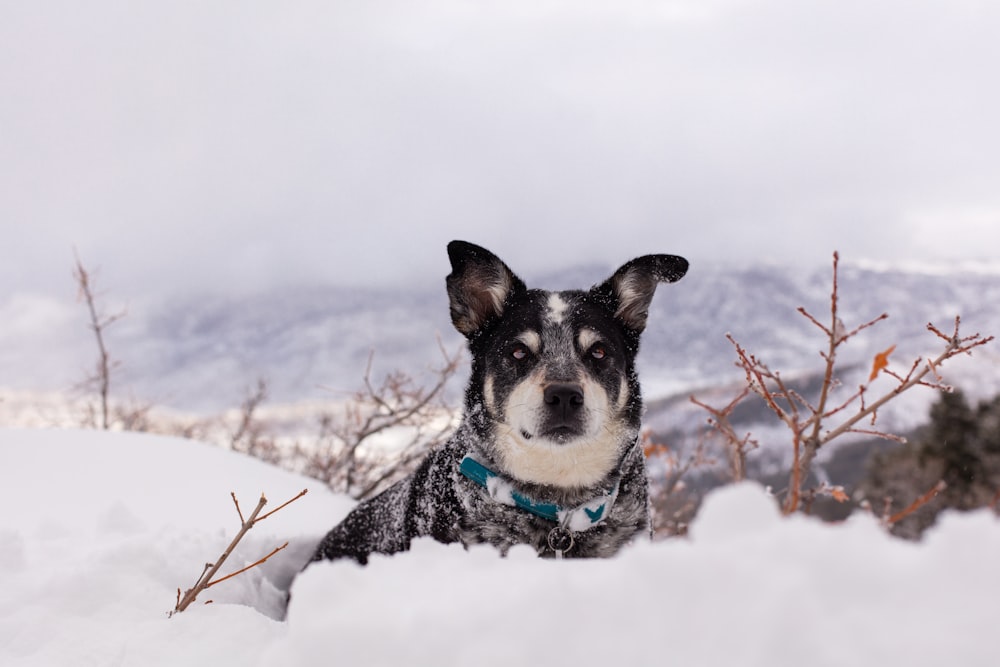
(560, 540)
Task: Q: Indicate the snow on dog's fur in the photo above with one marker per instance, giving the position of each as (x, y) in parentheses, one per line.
(547, 451)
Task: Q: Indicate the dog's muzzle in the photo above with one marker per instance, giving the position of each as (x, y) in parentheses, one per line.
(564, 411)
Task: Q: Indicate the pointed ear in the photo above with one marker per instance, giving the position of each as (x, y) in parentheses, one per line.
(630, 290)
(478, 286)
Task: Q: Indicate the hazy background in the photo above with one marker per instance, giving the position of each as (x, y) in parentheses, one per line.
(221, 146)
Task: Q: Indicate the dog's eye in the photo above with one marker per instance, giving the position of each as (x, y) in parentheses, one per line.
(598, 352)
(520, 352)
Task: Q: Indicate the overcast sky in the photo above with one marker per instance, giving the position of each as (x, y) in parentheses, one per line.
(235, 144)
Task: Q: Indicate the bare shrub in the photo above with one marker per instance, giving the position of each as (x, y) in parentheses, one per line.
(673, 503)
(377, 436)
(346, 455)
(252, 435)
(737, 446)
(130, 415)
(133, 414)
(813, 422)
(100, 380)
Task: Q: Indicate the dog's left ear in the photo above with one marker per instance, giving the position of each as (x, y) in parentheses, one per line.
(478, 286)
(630, 290)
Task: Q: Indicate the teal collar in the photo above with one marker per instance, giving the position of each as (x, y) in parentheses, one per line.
(573, 519)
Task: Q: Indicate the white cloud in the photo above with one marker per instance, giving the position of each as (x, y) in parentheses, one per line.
(234, 144)
(956, 232)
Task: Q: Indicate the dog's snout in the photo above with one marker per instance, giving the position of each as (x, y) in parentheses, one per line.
(564, 398)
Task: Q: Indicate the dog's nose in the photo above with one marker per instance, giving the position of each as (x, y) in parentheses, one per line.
(565, 399)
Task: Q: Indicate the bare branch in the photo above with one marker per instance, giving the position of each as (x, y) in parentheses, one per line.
(248, 408)
(916, 504)
(666, 519)
(98, 324)
(283, 505)
(342, 457)
(211, 569)
(738, 446)
(807, 422)
(238, 510)
(248, 567)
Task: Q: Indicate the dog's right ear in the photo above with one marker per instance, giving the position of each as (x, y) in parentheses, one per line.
(478, 286)
(629, 292)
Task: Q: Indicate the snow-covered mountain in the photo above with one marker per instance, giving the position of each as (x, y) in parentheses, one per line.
(201, 353)
(686, 345)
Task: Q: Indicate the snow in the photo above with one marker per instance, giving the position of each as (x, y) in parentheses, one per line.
(98, 530)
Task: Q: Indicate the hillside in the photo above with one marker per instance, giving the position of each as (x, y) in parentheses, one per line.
(200, 354)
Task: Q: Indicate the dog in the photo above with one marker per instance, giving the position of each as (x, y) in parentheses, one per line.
(547, 451)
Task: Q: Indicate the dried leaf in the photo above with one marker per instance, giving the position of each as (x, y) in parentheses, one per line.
(881, 361)
(654, 449)
(838, 494)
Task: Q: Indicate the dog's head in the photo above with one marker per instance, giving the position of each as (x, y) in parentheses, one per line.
(553, 393)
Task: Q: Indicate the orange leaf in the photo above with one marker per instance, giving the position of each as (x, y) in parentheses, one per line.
(838, 494)
(881, 361)
(654, 449)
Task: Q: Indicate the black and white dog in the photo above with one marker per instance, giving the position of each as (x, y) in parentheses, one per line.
(547, 451)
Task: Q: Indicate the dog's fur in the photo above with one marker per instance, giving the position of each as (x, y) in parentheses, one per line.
(552, 407)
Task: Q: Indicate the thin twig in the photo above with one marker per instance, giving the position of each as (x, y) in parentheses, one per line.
(211, 569)
(738, 446)
(98, 324)
(917, 504)
(250, 566)
(238, 511)
(396, 401)
(284, 504)
(206, 578)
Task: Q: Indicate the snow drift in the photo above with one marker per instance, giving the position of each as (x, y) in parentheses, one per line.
(98, 531)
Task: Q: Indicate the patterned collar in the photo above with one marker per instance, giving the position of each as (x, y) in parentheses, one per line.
(568, 520)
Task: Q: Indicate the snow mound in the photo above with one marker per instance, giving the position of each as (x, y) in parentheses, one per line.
(98, 531)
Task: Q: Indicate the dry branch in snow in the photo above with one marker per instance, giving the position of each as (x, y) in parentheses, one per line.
(207, 580)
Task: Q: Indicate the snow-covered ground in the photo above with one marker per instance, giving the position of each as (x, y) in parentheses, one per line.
(98, 530)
